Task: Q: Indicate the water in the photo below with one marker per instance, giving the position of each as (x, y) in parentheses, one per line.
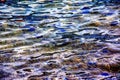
(59, 40)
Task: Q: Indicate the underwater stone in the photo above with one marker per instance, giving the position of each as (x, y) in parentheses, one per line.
(71, 32)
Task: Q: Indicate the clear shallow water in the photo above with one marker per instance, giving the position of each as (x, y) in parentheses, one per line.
(60, 39)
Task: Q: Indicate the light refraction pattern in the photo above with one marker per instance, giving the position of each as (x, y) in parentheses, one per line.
(59, 40)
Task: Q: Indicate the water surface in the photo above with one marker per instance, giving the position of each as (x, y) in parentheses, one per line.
(59, 40)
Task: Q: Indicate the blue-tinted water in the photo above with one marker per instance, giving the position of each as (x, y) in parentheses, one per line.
(59, 40)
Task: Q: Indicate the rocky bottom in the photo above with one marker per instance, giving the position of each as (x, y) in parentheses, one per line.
(59, 40)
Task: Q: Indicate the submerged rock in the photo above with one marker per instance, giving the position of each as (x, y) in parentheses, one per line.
(59, 39)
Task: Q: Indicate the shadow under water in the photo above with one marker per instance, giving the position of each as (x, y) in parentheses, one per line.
(59, 40)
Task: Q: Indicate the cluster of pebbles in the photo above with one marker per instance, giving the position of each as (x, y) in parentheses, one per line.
(59, 40)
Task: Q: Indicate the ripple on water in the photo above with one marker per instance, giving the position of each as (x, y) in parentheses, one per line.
(60, 39)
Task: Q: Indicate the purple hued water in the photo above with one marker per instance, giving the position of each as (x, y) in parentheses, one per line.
(59, 40)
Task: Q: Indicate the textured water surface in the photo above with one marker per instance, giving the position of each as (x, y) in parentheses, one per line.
(59, 40)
